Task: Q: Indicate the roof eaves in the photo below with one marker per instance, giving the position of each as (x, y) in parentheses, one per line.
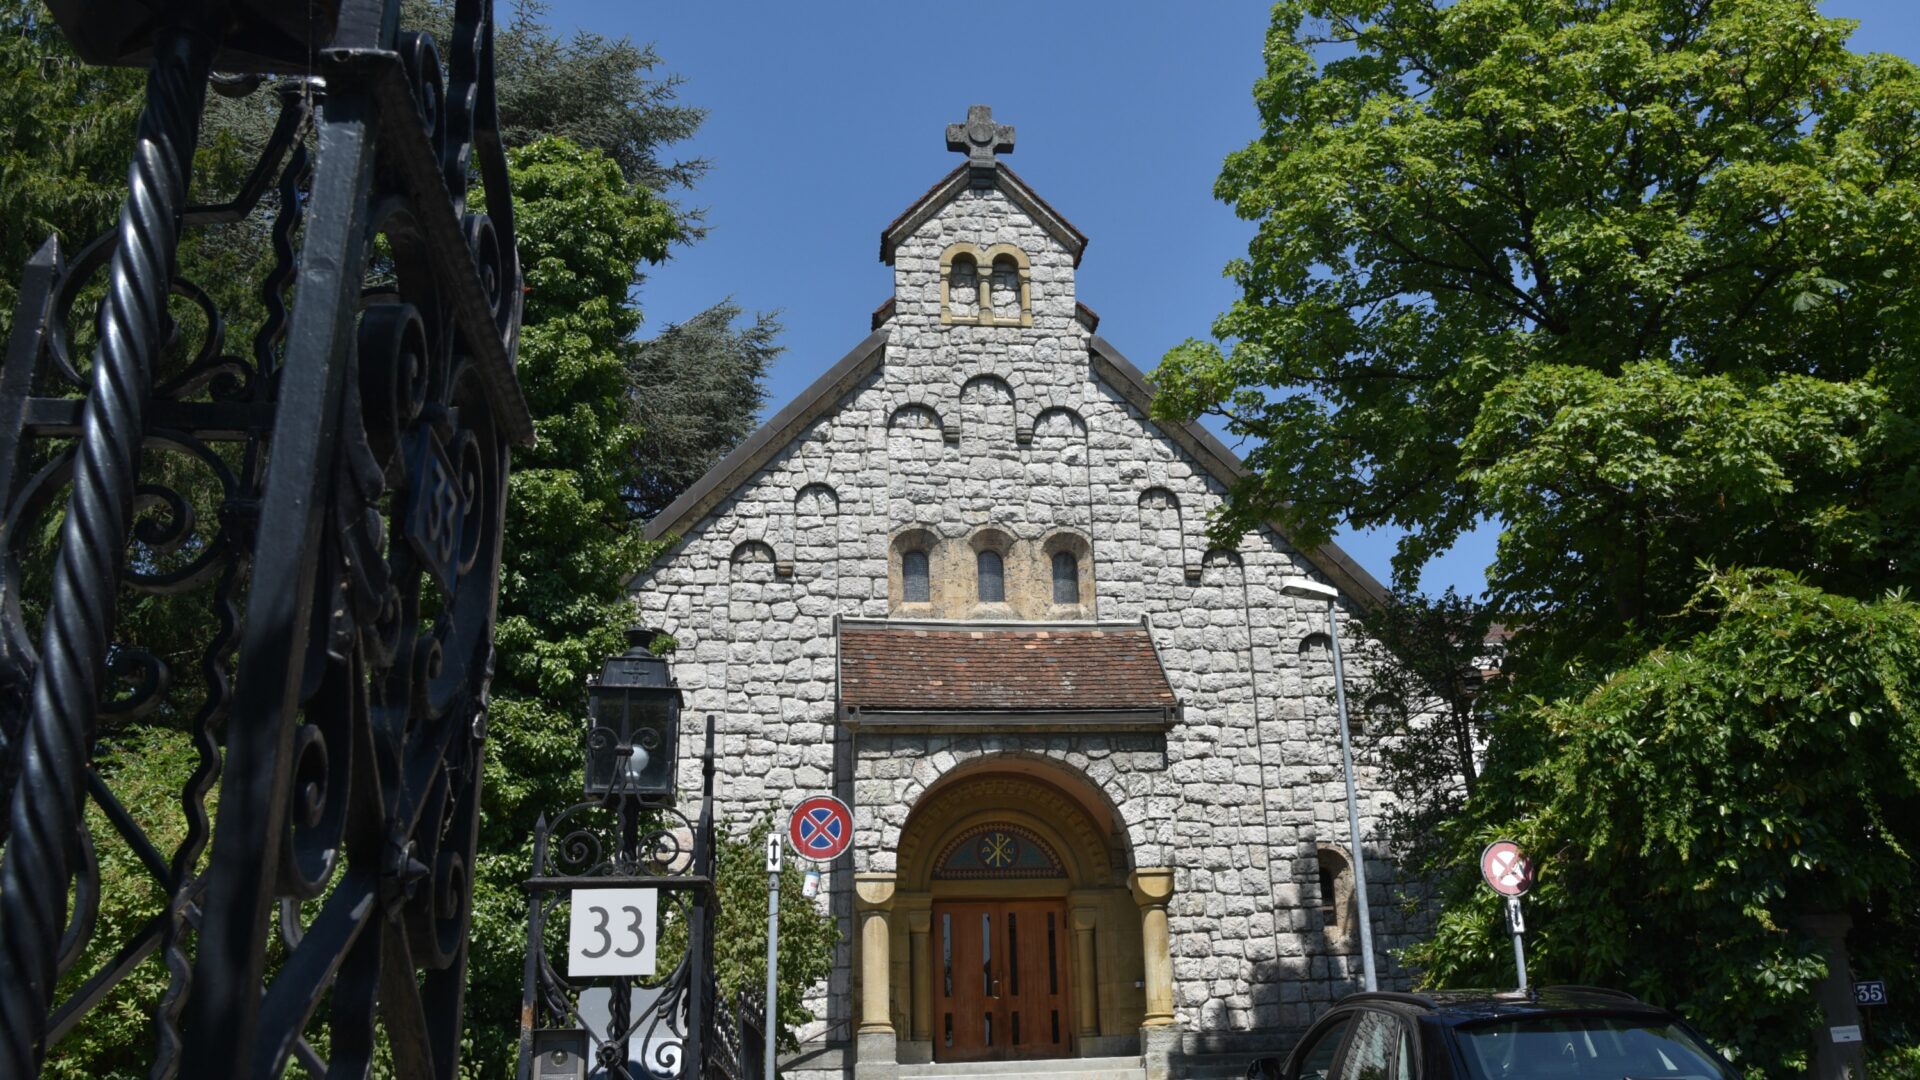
(1063, 230)
(719, 481)
(1225, 465)
(1008, 182)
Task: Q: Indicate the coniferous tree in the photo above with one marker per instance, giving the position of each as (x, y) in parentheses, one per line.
(697, 391)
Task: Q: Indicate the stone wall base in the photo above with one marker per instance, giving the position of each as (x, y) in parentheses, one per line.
(817, 1061)
(1157, 1046)
(1094, 1046)
(875, 1056)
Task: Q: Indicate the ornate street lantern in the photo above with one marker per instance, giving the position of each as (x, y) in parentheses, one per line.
(635, 706)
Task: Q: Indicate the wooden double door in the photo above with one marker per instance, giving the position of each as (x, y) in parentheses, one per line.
(1000, 980)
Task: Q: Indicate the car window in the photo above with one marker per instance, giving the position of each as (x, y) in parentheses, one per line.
(1370, 1047)
(1583, 1047)
(1403, 1060)
(1317, 1062)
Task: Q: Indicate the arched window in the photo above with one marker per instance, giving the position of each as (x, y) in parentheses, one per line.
(992, 573)
(1329, 893)
(914, 586)
(1005, 290)
(1066, 578)
(1339, 914)
(963, 288)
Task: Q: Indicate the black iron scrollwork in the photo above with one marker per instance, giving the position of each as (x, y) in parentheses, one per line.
(624, 840)
(331, 502)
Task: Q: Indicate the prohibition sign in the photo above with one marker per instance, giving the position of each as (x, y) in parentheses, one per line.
(1506, 868)
(821, 828)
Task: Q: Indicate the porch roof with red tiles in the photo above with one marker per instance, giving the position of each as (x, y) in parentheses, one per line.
(965, 668)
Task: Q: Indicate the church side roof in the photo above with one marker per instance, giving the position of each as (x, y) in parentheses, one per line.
(927, 668)
(1009, 184)
(746, 459)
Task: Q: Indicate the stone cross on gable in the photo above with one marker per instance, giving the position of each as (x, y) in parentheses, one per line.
(980, 138)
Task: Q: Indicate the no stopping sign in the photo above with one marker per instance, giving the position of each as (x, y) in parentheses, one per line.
(1506, 868)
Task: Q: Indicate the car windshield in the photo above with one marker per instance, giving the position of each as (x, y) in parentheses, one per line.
(1586, 1048)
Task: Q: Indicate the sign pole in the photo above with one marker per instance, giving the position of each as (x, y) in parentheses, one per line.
(1517, 925)
(773, 953)
(1509, 873)
(820, 828)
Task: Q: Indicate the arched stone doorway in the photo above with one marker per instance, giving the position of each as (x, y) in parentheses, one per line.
(1015, 926)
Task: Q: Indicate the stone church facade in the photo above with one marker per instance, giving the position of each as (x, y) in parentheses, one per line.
(963, 582)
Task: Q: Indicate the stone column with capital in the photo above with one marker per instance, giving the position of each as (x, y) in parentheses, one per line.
(875, 1056)
(1152, 887)
(1084, 919)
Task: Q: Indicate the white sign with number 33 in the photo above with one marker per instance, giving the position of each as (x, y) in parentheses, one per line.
(612, 931)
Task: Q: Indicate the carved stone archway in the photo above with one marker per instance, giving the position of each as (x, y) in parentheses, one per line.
(1092, 885)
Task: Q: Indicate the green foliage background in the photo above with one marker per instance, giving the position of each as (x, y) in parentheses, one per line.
(1636, 280)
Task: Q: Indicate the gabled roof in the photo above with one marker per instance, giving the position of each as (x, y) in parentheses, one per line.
(1108, 364)
(1010, 184)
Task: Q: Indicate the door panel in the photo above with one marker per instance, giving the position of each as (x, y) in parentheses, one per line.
(963, 972)
(1000, 981)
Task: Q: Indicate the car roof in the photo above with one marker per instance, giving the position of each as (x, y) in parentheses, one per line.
(1470, 1006)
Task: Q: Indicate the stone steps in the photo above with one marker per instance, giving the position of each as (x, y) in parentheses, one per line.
(1108, 1068)
(1211, 1066)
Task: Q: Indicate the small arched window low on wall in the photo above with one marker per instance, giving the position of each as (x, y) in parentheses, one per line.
(1339, 913)
(916, 580)
(1066, 577)
(992, 576)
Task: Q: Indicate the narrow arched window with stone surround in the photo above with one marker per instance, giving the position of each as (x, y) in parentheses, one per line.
(911, 556)
(915, 579)
(991, 572)
(1066, 578)
(963, 287)
(1005, 290)
(1339, 911)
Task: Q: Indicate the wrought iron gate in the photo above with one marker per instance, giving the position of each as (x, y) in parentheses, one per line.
(328, 500)
(682, 1028)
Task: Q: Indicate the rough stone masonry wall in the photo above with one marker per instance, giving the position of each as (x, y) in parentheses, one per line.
(1237, 798)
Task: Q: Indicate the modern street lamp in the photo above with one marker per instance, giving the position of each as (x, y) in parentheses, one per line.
(1307, 589)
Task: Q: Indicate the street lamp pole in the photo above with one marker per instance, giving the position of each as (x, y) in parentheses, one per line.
(1307, 589)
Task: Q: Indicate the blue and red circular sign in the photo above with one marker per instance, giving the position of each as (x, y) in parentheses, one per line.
(821, 828)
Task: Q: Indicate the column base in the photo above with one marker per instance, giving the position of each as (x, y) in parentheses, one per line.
(875, 1056)
(1157, 1044)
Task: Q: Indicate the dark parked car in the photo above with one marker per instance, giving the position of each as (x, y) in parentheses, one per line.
(1552, 1033)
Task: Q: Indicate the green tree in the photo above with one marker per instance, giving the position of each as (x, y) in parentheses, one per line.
(697, 391)
(594, 91)
(1423, 677)
(570, 540)
(1483, 212)
(807, 932)
(1636, 280)
(64, 146)
(1690, 808)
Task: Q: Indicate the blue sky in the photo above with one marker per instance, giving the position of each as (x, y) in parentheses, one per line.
(828, 118)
